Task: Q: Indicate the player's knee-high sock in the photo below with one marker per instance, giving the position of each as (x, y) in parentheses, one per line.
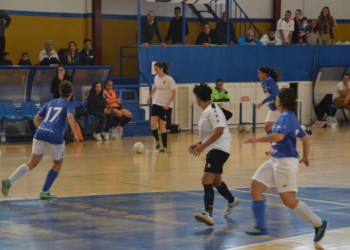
(125, 121)
(155, 134)
(20, 171)
(50, 178)
(208, 198)
(223, 190)
(165, 139)
(259, 214)
(304, 212)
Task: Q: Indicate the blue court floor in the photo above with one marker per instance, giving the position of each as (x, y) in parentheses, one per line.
(160, 220)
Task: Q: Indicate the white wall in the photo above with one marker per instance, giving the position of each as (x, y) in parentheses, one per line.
(312, 8)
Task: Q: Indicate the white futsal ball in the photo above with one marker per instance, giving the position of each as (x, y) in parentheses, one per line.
(240, 128)
(138, 147)
(247, 128)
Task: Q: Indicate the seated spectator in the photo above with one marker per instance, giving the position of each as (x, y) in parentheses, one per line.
(113, 103)
(326, 23)
(270, 38)
(71, 57)
(313, 38)
(220, 30)
(87, 55)
(48, 57)
(220, 94)
(249, 39)
(61, 75)
(149, 27)
(175, 28)
(341, 93)
(303, 31)
(25, 61)
(6, 59)
(207, 37)
(285, 28)
(96, 107)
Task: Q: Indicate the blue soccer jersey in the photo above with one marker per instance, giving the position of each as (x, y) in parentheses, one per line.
(53, 125)
(270, 89)
(286, 124)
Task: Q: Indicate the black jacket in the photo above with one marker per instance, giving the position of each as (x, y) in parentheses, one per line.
(220, 31)
(175, 31)
(86, 60)
(55, 86)
(148, 31)
(25, 63)
(96, 103)
(204, 38)
(5, 62)
(47, 61)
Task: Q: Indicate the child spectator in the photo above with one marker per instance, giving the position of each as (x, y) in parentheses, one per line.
(25, 61)
(6, 59)
(303, 30)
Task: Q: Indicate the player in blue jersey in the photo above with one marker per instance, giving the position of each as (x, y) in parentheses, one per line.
(51, 126)
(269, 78)
(282, 168)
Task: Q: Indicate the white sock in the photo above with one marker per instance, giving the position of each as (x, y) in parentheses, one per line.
(304, 212)
(21, 170)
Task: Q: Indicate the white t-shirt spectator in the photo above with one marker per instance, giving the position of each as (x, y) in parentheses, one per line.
(285, 28)
(165, 85)
(265, 39)
(212, 118)
(339, 86)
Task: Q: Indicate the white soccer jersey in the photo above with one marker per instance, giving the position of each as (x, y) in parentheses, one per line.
(283, 26)
(212, 118)
(165, 85)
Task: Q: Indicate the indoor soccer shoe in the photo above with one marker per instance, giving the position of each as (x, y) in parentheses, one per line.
(205, 218)
(230, 206)
(319, 232)
(157, 145)
(105, 136)
(306, 129)
(257, 232)
(5, 188)
(163, 150)
(97, 136)
(47, 195)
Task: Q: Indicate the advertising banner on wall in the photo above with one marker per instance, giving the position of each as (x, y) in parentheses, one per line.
(190, 1)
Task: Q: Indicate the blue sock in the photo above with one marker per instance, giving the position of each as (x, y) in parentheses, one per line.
(259, 214)
(50, 178)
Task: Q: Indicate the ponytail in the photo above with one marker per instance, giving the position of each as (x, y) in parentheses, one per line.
(271, 72)
(164, 66)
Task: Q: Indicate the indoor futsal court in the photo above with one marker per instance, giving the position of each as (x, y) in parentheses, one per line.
(111, 198)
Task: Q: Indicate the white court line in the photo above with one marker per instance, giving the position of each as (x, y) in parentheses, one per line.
(276, 195)
(288, 240)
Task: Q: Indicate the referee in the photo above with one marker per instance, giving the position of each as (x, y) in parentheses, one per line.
(216, 141)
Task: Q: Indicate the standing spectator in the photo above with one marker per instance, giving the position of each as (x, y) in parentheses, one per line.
(149, 26)
(3, 27)
(220, 30)
(341, 93)
(303, 31)
(270, 38)
(297, 21)
(71, 57)
(207, 37)
(61, 75)
(96, 107)
(313, 37)
(87, 55)
(175, 28)
(25, 61)
(6, 59)
(48, 57)
(220, 94)
(326, 23)
(285, 28)
(249, 39)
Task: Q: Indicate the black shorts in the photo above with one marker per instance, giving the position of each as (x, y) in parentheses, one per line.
(215, 160)
(119, 108)
(161, 112)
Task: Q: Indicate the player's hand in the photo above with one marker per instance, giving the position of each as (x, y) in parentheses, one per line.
(251, 140)
(305, 160)
(166, 107)
(259, 105)
(197, 150)
(193, 146)
(76, 139)
(149, 100)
